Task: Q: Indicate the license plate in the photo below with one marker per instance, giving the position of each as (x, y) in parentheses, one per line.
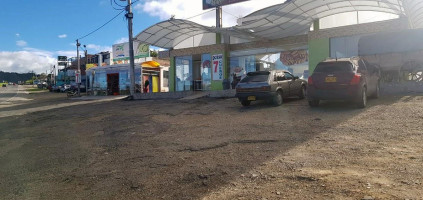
(330, 79)
(251, 98)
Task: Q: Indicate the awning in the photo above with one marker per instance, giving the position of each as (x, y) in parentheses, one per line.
(151, 64)
(414, 11)
(168, 34)
(294, 17)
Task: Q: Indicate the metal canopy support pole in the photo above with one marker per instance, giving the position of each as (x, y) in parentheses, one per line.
(218, 24)
(129, 16)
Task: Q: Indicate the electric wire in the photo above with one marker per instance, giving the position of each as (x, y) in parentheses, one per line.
(122, 6)
(111, 4)
(201, 14)
(230, 14)
(101, 25)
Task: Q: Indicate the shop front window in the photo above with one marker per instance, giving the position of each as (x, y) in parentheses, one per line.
(183, 73)
(206, 71)
(295, 62)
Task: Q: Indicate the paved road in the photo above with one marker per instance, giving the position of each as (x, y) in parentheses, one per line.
(9, 93)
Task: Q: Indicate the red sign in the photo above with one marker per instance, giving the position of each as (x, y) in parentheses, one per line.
(216, 3)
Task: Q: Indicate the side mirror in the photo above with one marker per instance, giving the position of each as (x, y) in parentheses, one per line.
(296, 77)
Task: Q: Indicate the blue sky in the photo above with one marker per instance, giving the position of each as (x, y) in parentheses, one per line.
(34, 32)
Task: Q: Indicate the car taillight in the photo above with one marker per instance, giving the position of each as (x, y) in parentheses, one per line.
(310, 81)
(356, 79)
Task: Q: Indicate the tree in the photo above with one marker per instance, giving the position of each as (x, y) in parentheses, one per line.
(153, 53)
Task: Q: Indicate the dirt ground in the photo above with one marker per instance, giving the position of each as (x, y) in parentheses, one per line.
(211, 149)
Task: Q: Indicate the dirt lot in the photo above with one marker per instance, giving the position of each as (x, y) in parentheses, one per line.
(211, 149)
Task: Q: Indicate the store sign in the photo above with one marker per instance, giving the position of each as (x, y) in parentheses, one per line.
(207, 4)
(217, 67)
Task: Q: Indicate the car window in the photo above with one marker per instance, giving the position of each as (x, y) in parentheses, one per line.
(288, 76)
(255, 78)
(280, 76)
(341, 66)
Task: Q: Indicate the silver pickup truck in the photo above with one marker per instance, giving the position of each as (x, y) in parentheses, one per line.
(272, 86)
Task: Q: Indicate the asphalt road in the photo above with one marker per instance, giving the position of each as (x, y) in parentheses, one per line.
(7, 94)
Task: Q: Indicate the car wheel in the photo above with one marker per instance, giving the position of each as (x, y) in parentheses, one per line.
(313, 103)
(245, 102)
(278, 100)
(362, 102)
(303, 92)
(377, 92)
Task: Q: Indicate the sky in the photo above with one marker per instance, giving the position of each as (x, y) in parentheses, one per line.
(34, 32)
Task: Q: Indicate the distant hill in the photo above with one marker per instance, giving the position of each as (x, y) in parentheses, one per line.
(15, 77)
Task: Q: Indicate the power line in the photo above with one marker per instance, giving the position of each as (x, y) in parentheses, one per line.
(201, 13)
(111, 4)
(230, 14)
(101, 25)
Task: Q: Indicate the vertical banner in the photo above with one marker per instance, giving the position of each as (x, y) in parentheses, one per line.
(217, 67)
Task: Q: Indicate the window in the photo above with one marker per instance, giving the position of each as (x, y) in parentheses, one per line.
(341, 66)
(255, 78)
(288, 76)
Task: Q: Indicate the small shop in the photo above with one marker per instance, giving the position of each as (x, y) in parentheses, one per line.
(115, 79)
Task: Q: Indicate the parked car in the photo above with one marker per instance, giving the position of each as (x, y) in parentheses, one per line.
(271, 86)
(352, 79)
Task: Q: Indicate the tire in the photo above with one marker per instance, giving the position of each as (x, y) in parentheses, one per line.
(376, 95)
(313, 103)
(278, 100)
(362, 102)
(245, 102)
(303, 92)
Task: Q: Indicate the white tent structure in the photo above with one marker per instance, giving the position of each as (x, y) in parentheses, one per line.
(293, 17)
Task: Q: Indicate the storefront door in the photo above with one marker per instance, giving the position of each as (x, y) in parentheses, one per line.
(183, 73)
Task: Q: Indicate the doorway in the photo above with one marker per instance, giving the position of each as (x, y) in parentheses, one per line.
(113, 84)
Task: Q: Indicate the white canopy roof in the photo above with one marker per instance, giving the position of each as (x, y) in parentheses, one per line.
(414, 10)
(293, 17)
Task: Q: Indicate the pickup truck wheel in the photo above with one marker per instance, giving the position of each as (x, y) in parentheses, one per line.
(362, 102)
(303, 92)
(278, 100)
(245, 102)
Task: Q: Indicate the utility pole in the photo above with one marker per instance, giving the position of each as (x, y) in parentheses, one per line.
(129, 15)
(79, 66)
(86, 77)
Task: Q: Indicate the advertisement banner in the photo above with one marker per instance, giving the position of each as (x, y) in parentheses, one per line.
(217, 67)
(207, 4)
(121, 51)
(296, 57)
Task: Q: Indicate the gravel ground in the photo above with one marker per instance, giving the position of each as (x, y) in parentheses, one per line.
(211, 149)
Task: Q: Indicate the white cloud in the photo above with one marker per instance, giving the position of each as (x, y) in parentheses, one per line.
(18, 35)
(98, 48)
(21, 43)
(26, 61)
(121, 40)
(183, 9)
(62, 36)
(69, 54)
